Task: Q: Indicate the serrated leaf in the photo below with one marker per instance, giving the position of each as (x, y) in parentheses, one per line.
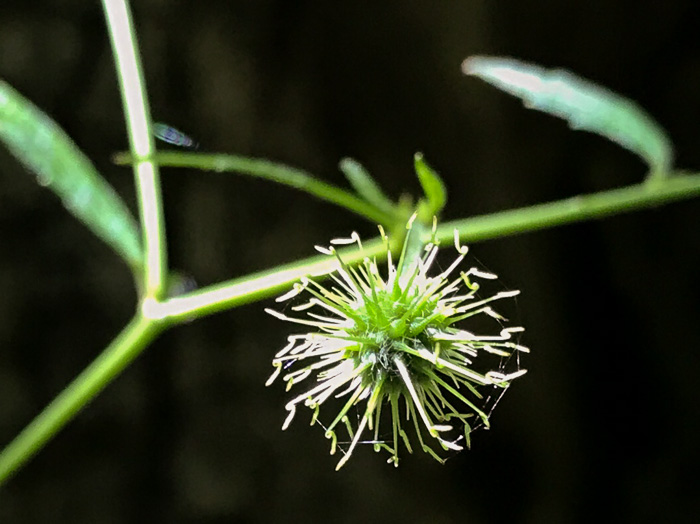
(44, 148)
(364, 185)
(582, 103)
(433, 187)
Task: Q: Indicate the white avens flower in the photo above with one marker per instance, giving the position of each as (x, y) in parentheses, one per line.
(391, 345)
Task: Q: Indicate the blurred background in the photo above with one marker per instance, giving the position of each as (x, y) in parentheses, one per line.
(605, 422)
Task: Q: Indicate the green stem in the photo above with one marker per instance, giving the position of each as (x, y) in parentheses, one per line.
(141, 330)
(280, 173)
(585, 207)
(575, 209)
(93, 379)
(256, 286)
(138, 119)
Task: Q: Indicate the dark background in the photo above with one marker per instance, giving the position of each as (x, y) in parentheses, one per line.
(604, 426)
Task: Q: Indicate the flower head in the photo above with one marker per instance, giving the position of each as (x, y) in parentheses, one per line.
(391, 344)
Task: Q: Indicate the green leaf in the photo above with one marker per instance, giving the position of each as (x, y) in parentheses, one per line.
(364, 185)
(44, 148)
(433, 187)
(585, 105)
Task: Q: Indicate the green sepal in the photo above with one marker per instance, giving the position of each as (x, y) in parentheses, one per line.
(44, 148)
(365, 186)
(433, 187)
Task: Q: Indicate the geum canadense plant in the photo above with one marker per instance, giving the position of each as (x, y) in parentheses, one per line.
(391, 341)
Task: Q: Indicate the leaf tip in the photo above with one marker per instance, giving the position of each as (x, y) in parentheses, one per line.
(471, 64)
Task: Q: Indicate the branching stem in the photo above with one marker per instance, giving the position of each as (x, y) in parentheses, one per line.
(138, 120)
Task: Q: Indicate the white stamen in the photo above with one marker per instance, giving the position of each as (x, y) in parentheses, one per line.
(354, 239)
(462, 250)
(481, 274)
(412, 391)
(298, 288)
(324, 250)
